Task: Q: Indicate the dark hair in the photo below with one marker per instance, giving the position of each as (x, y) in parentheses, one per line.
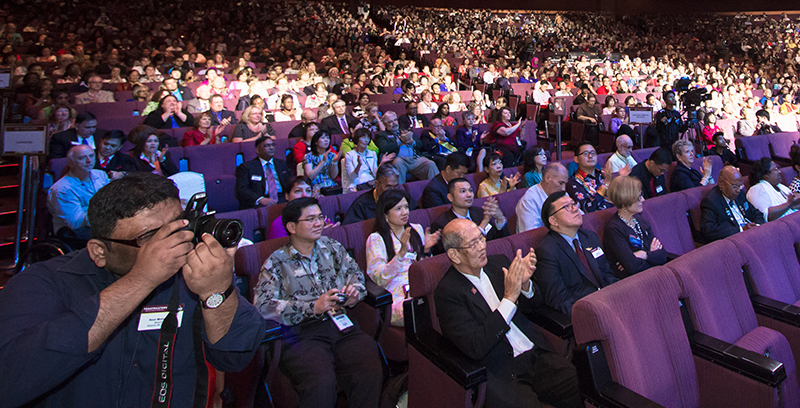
(139, 135)
(114, 135)
(455, 160)
(83, 117)
(547, 206)
(408, 104)
(315, 139)
(529, 159)
(299, 180)
(283, 98)
(610, 98)
(294, 209)
(664, 95)
(763, 113)
(124, 197)
(169, 95)
(451, 185)
(661, 156)
(578, 148)
(388, 200)
(794, 155)
(359, 133)
(439, 114)
(487, 161)
(760, 169)
(261, 140)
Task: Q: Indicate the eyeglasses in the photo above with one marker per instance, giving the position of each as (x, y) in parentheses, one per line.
(626, 146)
(136, 242)
(472, 245)
(735, 186)
(588, 153)
(572, 206)
(321, 218)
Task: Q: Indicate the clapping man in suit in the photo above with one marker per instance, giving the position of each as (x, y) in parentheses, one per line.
(476, 303)
(109, 159)
(263, 180)
(725, 210)
(571, 262)
(340, 123)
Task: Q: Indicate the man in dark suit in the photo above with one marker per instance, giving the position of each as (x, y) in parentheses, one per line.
(476, 303)
(725, 210)
(181, 93)
(253, 182)
(413, 120)
(82, 133)
(220, 115)
(109, 159)
(571, 262)
(435, 192)
(340, 123)
(460, 193)
(651, 173)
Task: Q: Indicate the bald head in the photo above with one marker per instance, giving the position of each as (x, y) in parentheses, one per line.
(554, 178)
(624, 145)
(452, 233)
(730, 182)
(308, 116)
(729, 174)
(81, 160)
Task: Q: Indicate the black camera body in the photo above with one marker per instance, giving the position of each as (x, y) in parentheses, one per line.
(341, 298)
(227, 232)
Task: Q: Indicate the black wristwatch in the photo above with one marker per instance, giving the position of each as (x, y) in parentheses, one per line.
(216, 299)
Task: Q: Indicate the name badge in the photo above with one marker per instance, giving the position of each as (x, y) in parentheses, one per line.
(659, 189)
(635, 241)
(597, 252)
(340, 319)
(152, 317)
(410, 256)
(469, 152)
(255, 178)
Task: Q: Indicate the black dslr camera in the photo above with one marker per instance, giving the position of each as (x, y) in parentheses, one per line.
(227, 232)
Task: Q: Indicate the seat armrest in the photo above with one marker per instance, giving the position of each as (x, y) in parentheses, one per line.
(748, 363)
(551, 320)
(671, 256)
(273, 331)
(614, 394)
(777, 310)
(377, 296)
(440, 351)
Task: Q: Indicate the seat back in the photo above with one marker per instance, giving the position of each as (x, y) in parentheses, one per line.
(249, 260)
(753, 148)
(423, 276)
(714, 291)
(210, 160)
(667, 216)
(638, 322)
(693, 197)
(781, 144)
(249, 219)
(357, 234)
(596, 221)
(641, 155)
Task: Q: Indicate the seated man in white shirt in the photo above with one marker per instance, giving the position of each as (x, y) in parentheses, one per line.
(622, 157)
(68, 199)
(529, 207)
(520, 368)
(766, 193)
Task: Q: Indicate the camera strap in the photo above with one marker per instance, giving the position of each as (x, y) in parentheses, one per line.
(166, 346)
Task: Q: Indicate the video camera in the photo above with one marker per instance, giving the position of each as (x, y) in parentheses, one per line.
(690, 98)
(228, 232)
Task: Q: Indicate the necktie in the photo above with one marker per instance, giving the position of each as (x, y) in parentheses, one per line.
(272, 189)
(84, 141)
(104, 162)
(414, 122)
(343, 125)
(585, 262)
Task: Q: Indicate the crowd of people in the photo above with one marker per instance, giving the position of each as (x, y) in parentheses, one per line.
(318, 65)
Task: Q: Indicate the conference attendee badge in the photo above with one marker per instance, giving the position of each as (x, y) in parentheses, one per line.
(469, 152)
(635, 241)
(255, 178)
(597, 252)
(659, 189)
(152, 317)
(340, 319)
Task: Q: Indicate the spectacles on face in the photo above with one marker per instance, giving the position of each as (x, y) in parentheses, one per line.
(136, 242)
(571, 207)
(735, 186)
(314, 219)
(626, 146)
(587, 154)
(474, 244)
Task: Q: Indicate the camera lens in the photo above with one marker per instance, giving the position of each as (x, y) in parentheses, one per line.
(227, 232)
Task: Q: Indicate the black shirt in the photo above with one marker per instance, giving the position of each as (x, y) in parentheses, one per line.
(651, 186)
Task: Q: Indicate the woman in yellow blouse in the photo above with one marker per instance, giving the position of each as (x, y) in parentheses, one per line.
(496, 183)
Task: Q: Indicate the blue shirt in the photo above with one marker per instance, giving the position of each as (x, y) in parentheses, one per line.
(68, 200)
(46, 313)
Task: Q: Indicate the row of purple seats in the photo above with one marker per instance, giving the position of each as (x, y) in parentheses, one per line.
(777, 146)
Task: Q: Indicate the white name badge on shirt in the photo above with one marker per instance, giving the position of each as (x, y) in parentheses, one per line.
(340, 319)
(597, 252)
(255, 178)
(659, 189)
(152, 317)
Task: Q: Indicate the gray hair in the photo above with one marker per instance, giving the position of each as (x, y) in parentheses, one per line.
(386, 170)
(678, 146)
(452, 239)
(386, 116)
(552, 167)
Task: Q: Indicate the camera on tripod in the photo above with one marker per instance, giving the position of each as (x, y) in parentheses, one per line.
(690, 98)
(228, 232)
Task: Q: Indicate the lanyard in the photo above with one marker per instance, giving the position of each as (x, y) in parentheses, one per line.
(166, 346)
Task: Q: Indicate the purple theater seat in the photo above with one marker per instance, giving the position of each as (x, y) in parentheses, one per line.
(282, 129)
(435, 212)
(249, 219)
(221, 193)
(346, 200)
(329, 206)
(753, 148)
(420, 216)
(787, 174)
(212, 160)
(267, 214)
(693, 197)
(338, 234)
(280, 148)
(641, 155)
(718, 305)
(596, 221)
(249, 260)
(503, 246)
(57, 167)
(415, 188)
(357, 234)
(716, 166)
(176, 154)
(781, 144)
(670, 223)
(248, 150)
(123, 123)
(638, 324)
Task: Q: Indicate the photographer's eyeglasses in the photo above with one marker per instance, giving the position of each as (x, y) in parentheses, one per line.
(136, 242)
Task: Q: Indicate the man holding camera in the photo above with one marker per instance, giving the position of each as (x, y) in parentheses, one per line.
(307, 285)
(130, 320)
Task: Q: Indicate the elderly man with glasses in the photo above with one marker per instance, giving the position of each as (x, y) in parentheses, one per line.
(307, 285)
(477, 301)
(725, 210)
(95, 93)
(571, 263)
